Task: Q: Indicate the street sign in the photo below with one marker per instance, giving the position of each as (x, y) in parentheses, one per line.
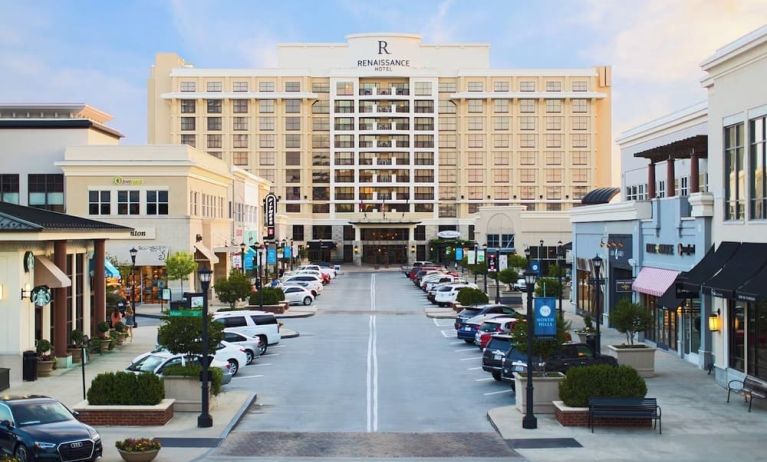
(459, 254)
(503, 262)
(492, 264)
(545, 317)
(271, 256)
(270, 210)
(192, 307)
(471, 257)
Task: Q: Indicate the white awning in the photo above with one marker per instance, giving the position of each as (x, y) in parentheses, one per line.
(209, 255)
(48, 274)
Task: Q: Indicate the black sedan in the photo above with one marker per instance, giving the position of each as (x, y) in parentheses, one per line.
(38, 428)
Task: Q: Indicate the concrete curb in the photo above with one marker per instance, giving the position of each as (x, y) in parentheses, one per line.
(238, 416)
(440, 313)
(492, 422)
(301, 314)
(289, 333)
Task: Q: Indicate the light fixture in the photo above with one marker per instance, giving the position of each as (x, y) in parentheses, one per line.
(205, 275)
(597, 262)
(527, 252)
(356, 249)
(2, 292)
(530, 278)
(243, 246)
(26, 291)
(412, 248)
(714, 322)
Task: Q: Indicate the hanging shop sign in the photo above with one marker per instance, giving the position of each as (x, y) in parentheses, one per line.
(545, 317)
(29, 262)
(270, 211)
(624, 285)
(40, 296)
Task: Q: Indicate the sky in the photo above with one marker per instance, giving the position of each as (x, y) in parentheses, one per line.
(100, 52)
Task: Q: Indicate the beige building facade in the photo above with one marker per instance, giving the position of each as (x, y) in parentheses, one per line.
(378, 143)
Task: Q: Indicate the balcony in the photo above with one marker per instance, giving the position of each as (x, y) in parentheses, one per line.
(384, 91)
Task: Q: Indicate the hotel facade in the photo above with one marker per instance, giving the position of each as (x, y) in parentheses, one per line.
(377, 144)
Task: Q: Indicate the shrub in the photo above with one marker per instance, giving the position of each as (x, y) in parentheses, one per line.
(113, 299)
(138, 445)
(193, 370)
(601, 381)
(629, 318)
(76, 337)
(272, 296)
(126, 388)
(508, 276)
(43, 346)
(184, 335)
(120, 327)
(103, 328)
(469, 296)
(236, 287)
(549, 285)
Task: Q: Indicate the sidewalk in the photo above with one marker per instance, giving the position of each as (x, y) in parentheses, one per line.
(698, 424)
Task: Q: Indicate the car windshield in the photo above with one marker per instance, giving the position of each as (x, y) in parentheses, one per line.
(37, 413)
(468, 313)
(147, 363)
(502, 344)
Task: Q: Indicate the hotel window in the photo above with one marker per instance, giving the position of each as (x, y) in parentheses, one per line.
(320, 158)
(292, 106)
(447, 193)
(476, 175)
(423, 194)
(214, 106)
(424, 176)
(320, 176)
(553, 123)
(424, 106)
(527, 175)
(553, 86)
(266, 141)
(188, 86)
(188, 106)
(239, 86)
(474, 208)
(447, 157)
(527, 140)
(320, 124)
(157, 202)
(501, 192)
(293, 175)
(293, 141)
(501, 123)
(552, 140)
(423, 141)
(296, 208)
(266, 106)
(501, 157)
(501, 141)
(344, 88)
(99, 202)
(341, 194)
(292, 123)
(424, 158)
(501, 85)
(321, 87)
(580, 157)
(267, 174)
(240, 158)
(214, 141)
(553, 105)
(343, 208)
(293, 193)
(476, 123)
(527, 106)
(580, 106)
(266, 123)
(527, 193)
(128, 202)
(447, 140)
(476, 106)
(240, 141)
(553, 175)
(214, 123)
(553, 157)
(579, 192)
(215, 87)
(580, 140)
(734, 173)
(187, 123)
(758, 164)
(475, 85)
(501, 105)
(266, 86)
(344, 123)
(321, 107)
(447, 87)
(554, 193)
(320, 140)
(446, 210)
(475, 192)
(527, 123)
(240, 123)
(344, 158)
(476, 141)
(189, 140)
(292, 86)
(493, 240)
(580, 123)
(298, 232)
(447, 175)
(580, 175)
(476, 158)
(527, 157)
(423, 89)
(527, 85)
(501, 176)
(580, 85)
(446, 107)
(344, 106)
(344, 176)
(240, 106)
(424, 123)
(448, 123)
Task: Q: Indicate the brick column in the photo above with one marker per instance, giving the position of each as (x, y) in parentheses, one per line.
(60, 302)
(670, 190)
(99, 284)
(694, 174)
(651, 180)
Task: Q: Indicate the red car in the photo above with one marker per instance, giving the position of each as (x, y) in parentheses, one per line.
(500, 325)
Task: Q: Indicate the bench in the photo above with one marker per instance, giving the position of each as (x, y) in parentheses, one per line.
(625, 408)
(750, 388)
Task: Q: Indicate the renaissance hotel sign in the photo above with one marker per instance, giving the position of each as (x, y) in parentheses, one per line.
(383, 63)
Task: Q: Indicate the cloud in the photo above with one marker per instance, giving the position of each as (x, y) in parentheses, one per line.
(437, 28)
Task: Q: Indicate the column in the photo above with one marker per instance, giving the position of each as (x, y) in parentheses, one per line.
(694, 174)
(670, 190)
(357, 259)
(99, 284)
(60, 302)
(651, 180)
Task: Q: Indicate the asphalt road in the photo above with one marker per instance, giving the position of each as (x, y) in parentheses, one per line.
(369, 363)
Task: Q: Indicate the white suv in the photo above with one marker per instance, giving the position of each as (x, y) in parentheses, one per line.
(447, 294)
(252, 324)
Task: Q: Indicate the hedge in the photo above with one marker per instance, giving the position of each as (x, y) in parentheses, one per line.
(468, 296)
(193, 370)
(126, 388)
(601, 381)
(272, 296)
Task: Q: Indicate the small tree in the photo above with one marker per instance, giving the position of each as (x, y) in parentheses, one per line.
(517, 261)
(542, 348)
(184, 335)
(469, 296)
(233, 289)
(547, 287)
(271, 296)
(179, 265)
(508, 276)
(629, 318)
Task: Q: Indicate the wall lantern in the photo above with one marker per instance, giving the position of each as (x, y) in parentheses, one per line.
(714, 322)
(412, 248)
(26, 291)
(356, 249)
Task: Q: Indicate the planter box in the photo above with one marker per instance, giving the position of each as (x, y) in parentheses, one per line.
(159, 414)
(187, 392)
(545, 392)
(579, 417)
(457, 307)
(44, 368)
(276, 309)
(641, 359)
(145, 456)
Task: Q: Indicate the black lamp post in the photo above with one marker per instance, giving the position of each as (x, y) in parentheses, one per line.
(560, 269)
(260, 278)
(487, 267)
(292, 255)
(529, 421)
(243, 246)
(497, 276)
(133, 253)
(204, 420)
(597, 263)
(476, 261)
(83, 347)
(540, 258)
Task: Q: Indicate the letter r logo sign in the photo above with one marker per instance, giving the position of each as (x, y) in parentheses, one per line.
(382, 47)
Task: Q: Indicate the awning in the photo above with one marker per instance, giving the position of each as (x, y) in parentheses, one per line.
(48, 274)
(707, 267)
(669, 299)
(206, 252)
(747, 261)
(755, 289)
(654, 281)
(111, 271)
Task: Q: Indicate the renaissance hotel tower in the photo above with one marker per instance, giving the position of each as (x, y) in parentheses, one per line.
(376, 145)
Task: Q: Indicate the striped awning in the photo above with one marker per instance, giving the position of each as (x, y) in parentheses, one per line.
(654, 281)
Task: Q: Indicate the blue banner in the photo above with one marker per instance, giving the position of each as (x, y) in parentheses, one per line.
(271, 256)
(535, 266)
(459, 254)
(545, 317)
(288, 252)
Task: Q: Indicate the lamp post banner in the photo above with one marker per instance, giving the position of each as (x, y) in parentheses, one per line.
(492, 263)
(480, 256)
(459, 253)
(503, 262)
(288, 252)
(471, 257)
(545, 317)
(535, 266)
(271, 256)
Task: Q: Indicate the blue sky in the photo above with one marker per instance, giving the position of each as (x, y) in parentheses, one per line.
(99, 52)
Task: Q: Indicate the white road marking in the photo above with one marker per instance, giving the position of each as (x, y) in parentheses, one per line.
(469, 359)
(247, 377)
(372, 364)
(264, 364)
(483, 380)
(449, 322)
(499, 392)
(474, 368)
(467, 350)
(457, 343)
(271, 354)
(448, 333)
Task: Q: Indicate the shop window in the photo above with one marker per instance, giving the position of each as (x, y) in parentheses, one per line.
(157, 202)
(99, 202)
(9, 188)
(46, 191)
(737, 335)
(298, 232)
(128, 202)
(324, 232)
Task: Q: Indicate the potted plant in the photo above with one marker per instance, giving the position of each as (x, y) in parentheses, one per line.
(138, 449)
(121, 331)
(114, 337)
(75, 345)
(631, 318)
(45, 361)
(588, 329)
(103, 328)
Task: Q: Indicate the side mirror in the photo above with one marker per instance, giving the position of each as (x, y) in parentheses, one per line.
(6, 423)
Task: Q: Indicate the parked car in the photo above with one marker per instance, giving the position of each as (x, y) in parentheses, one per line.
(322, 268)
(298, 295)
(569, 355)
(520, 285)
(251, 345)
(469, 329)
(313, 283)
(493, 356)
(156, 361)
(40, 428)
(499, 325)
(431, 293)
(447, 294)
(226, 353)
(323, 277)
(251, 323)
(434, 278)
(469, 312)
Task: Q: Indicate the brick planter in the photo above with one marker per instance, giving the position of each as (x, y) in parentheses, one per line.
(579, 417)
(276, 309)
(159, 414)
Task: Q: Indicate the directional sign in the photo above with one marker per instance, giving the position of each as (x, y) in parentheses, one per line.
(545, 317)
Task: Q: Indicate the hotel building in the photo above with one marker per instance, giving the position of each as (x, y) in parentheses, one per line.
(377, 144)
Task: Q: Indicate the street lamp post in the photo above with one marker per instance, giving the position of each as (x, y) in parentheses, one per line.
(292, 255)
(133, 253)
(486, 268)
(540, 258)
(83, 347)
(205, 420)
(260, 278)
(243, 246)
(560, 268)
(597, 263)
(530, 421)
(497, 276)
(476, 262)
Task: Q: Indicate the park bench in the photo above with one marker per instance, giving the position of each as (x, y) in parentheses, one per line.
(625, 408)
(749, 388)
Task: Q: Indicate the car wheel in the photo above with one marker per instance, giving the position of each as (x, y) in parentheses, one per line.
(22, 453)
(497, 376)
(249, 354)
(468, 341)
(262, 345)
(307, 301)
(314, 293)
(234, 366)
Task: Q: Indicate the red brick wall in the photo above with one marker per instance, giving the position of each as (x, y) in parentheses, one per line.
(126, 417)
(581, 419)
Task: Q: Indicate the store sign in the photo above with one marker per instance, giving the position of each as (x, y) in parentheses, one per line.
(449, 234)
(270, 211)
(192, 307)
(122, 181)
(40, 296)
(685, 249)
(143, 232)
(624, 285)
(660, 249)
(545, 317)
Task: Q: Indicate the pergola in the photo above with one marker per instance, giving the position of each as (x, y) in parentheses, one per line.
(693, 148)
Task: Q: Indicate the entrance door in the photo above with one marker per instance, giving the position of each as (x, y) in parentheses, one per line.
(375, 254)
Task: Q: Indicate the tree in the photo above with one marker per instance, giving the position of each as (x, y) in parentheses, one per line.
(508, 276)
(234, 288)
(184, 335)
(544, 348)
(468, 296)
(179, 265)
(629, 318)
(517, 261)
(547, 287)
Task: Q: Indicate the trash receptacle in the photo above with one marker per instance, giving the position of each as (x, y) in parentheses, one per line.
(29, 366)
(591, 341)
(5, 378)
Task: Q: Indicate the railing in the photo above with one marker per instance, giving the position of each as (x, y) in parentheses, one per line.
(759, 209)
